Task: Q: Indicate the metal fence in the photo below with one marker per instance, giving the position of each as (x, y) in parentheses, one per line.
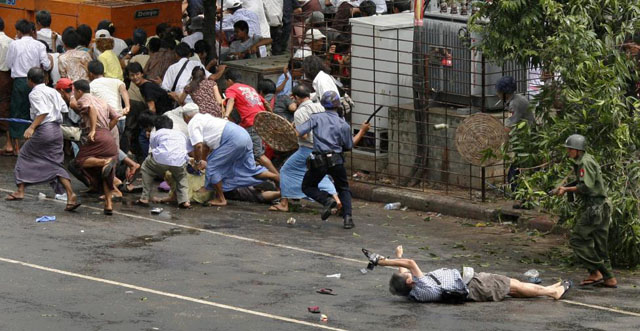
(423, 83)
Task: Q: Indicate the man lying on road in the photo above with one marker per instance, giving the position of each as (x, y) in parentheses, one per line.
(447, 285)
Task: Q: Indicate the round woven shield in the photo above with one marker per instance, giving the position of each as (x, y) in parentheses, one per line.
(476, 134)
(276, 131)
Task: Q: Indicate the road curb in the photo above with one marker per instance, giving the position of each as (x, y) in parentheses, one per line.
(450, 206)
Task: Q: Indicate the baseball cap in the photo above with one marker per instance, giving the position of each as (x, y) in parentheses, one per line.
(64, 84)
(103, 34)
(312, 35)
(228, 4)
(330, 100)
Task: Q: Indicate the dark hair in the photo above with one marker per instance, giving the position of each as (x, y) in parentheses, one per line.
(82, 85)
(197, 76)
(506, 85)
(162, 28)
(201, 46)
(23, 26)
(402, 5)
(139, 37)
(96, 67)
(134, 68)
(368, 8)
(85, 33)
(233, 74)
(36, 75)
(154, 44)
(71, 38)
(44, 18)
(342, 42)
(176, 33)
(183, 50)
(168, 42)
(312, 65)
(398, 284)
(1, 24)
(266, 86)
(146, 119)
(106, 25)
(163, 122)
(241, 25)
(301, 91)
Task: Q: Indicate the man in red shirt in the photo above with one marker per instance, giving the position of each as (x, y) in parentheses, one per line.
(248, 103)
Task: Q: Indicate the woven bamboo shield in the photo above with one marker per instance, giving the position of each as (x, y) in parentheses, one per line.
(476, 134)
(276, 131)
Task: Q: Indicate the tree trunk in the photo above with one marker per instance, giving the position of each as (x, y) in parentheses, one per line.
(209, 28)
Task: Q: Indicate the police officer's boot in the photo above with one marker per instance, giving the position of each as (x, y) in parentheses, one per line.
(348, 222)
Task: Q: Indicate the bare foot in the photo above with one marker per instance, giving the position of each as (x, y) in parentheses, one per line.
(217, 202)
(279, 207)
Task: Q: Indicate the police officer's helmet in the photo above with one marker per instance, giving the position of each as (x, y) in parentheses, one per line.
(506, 85)
(330, 100)
(576, 141)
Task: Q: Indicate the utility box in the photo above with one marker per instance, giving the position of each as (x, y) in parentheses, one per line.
(381, 76)
(253, 70)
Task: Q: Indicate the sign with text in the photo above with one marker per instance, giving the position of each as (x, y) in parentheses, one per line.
(147, 13)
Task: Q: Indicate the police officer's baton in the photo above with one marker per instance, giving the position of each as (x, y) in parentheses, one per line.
(374, 114)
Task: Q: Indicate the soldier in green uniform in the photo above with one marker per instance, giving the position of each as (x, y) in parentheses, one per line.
(591, 231)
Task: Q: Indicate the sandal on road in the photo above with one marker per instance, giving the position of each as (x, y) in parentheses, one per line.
(567, 284)
(12, 197)
(589, 282)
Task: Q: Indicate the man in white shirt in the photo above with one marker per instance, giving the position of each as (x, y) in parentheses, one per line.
(230, 164)
(113, 91)
(257, 7)
(169, 152)
(195, 30)
(5, 89)
(41, 158)
(234, 13)
(22, 55)
(313, 42)
(179, 74)
(43, 25)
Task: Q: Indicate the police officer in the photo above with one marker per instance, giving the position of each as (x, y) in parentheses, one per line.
(331, 137)
(591, 231)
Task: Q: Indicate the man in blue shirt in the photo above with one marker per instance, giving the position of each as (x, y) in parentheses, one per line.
(331, 137)
(438, 285)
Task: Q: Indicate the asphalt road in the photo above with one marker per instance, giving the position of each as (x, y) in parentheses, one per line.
(243, 268)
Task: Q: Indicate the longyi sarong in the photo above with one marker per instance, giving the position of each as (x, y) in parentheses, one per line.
(19, 107)
(41, 158)
(103, 147)
(233, 162)
(6, 83)
(292, 174)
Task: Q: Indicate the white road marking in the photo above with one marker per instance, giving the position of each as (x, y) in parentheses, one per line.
(304, 250)
(168, 294)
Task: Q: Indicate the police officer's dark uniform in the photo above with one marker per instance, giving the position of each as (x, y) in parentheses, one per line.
(591, 231)
(331, 137)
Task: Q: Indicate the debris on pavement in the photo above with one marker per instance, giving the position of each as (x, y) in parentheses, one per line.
(45, 219)
(314, 309)
(291, 221)
(324, 318)
(156, 211)
(61, 197)
(363, 271)
(533, 276)
(327, 291)
(334, 276)
(392, 206)
(41, 196)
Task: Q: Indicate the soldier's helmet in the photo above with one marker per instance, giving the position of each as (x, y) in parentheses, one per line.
(330, 100)
(576, 141)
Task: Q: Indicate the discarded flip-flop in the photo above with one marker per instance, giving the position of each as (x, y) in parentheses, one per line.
(45, 219)
(314, 309)
(325, 291)
(567, 284)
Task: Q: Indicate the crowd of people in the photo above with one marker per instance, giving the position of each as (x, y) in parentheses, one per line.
(114, 113)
